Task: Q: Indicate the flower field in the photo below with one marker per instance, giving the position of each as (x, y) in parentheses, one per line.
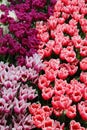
(43, 64)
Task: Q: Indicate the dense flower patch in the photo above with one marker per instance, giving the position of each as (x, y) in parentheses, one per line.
(17, 91)
(19, 36)
(63, 82)
(44, 84)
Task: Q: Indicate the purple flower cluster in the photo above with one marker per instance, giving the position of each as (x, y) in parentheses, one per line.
(11, 75)
(16, 93)
(18, 37)
(13, 107)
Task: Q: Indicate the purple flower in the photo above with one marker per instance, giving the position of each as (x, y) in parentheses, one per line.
(20, 106)
(3, 50)
(34, 62)
(38, 3)
(26, 93)
(2, 102)
(28, 123)
(1, 31)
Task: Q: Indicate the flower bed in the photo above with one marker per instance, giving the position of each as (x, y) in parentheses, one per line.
(47, 43)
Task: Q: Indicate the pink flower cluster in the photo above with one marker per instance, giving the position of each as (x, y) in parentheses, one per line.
(76, 126)
(16, 95)
(63, 48)
(41, 117)
(64, 96)
(9, 76)
(47, 89)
